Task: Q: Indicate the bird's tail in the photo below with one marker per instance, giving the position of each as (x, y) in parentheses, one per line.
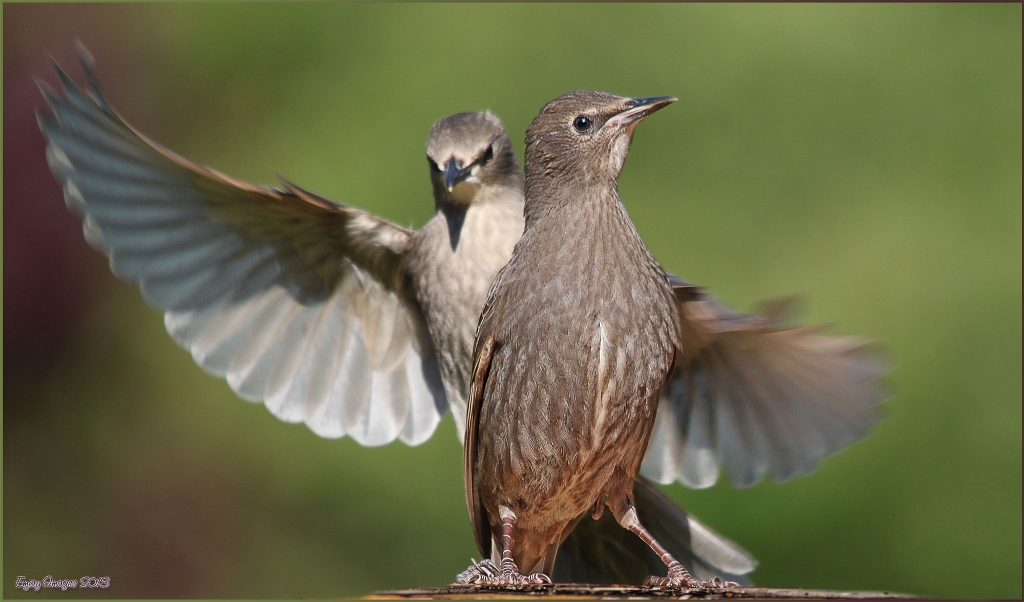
(602, 551)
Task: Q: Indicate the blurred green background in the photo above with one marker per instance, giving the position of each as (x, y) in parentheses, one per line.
(867, 157)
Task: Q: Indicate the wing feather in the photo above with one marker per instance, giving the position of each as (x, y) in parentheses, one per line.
(299, 302)
(424, 409)
(757, 396)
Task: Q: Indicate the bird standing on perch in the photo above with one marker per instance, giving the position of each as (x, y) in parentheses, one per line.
(579, 336)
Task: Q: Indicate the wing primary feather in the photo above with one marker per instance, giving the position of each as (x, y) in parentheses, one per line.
(89, 68)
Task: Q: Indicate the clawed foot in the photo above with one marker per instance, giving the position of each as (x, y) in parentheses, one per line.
(487, 573)
(679, 578)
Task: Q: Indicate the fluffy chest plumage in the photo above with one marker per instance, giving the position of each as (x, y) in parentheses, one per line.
(585, 330)
(451, 282)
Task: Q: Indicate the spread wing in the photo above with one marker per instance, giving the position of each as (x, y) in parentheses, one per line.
(758, 397)
(299, 302)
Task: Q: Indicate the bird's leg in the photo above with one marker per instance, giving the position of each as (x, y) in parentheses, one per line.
(507, 575)
(678, 577)
(508, 520)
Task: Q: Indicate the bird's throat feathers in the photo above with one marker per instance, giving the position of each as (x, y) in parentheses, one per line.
(455, 217)
(544, 196)
(487, 200)
(554, 181)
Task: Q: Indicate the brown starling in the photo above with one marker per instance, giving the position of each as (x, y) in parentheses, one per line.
(580, 333)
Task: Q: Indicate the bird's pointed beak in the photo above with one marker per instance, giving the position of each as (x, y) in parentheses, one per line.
(453, 174)
(637, 109)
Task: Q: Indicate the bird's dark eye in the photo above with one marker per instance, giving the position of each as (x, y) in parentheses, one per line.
(488, 154)
(582, 124)
(433, 165)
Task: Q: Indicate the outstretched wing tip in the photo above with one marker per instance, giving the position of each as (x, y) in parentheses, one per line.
(68, 85)
(44, 87)
(51, 96)
(93, 90)
(83, 53)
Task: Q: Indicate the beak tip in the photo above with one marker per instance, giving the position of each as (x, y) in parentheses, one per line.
(451, 175)
(639, 108)
(655, 101)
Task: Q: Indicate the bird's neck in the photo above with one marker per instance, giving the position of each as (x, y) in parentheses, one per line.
(572, 192)
(590, 235)
(503, 199)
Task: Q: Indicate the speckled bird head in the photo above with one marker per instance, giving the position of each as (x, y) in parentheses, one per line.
(585, 135)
